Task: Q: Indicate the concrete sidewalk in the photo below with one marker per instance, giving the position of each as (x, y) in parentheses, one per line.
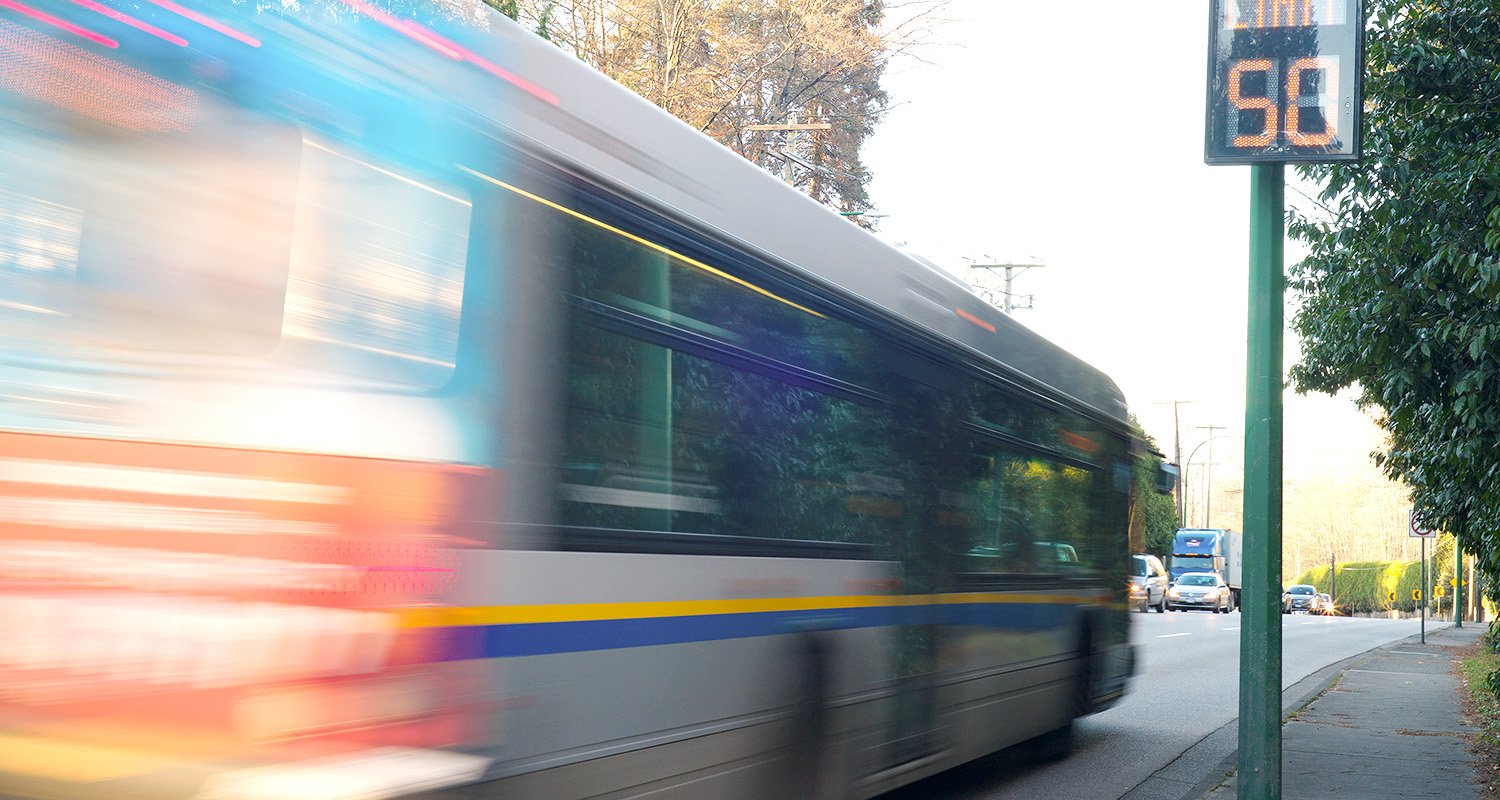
(1390, 726)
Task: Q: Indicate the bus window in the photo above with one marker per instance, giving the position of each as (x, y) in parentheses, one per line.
(240, 238)
(116, 239)
(699, 294)
(664, 440)
(377, 267)
(1035, 516)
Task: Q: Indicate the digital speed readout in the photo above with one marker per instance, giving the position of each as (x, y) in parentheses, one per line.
(1284, 81)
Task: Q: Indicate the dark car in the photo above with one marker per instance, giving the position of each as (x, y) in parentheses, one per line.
(1326, 606)
(1148, 583)
(1204, 590)
(1301, 598)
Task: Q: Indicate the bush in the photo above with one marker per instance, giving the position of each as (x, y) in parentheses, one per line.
(1366, 586)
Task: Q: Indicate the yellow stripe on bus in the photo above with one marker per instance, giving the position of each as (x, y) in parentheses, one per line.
(586, 612)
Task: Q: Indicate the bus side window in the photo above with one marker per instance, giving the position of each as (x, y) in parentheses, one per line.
(377, 267)
(1035, 514)
(664, 440)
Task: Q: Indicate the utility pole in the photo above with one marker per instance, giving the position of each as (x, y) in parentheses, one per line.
(1208, 491)
(1333, 577)
(792, 128)
(1008, 298)
(1177, 454)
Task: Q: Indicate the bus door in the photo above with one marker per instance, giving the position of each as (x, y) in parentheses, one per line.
(938, 510)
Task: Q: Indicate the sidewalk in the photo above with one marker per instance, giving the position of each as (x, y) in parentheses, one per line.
(1390, 726)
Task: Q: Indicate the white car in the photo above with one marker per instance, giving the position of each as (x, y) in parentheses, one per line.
(1200, 590)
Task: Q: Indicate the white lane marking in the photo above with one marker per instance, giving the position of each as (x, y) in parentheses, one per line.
(1386, 672)
(1170, 635)
(1235, 628)
(1412, 653)
(1312, 622)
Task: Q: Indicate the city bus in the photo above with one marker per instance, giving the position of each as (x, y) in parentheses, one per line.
(392, 404)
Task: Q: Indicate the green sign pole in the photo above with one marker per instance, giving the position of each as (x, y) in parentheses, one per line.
(1458, 582)
(1260, 615)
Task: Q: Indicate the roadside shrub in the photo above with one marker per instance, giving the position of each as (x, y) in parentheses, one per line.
(1366, 586)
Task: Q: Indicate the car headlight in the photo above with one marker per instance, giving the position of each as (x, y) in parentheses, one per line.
(1136, 588)
(1174, 593)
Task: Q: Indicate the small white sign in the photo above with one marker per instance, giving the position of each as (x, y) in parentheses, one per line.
(1417, 528)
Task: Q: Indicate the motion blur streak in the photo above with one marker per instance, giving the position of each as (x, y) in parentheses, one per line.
(59, 23)
(122, 17)
(406, 27)
(169, 482)
(99, 645)
(383, 773)
(208, 22)
(64, 76)
(451, 49)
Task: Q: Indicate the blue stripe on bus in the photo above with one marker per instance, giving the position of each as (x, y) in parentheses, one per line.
(548, 638)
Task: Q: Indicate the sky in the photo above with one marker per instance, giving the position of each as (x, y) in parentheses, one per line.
(1071, 134)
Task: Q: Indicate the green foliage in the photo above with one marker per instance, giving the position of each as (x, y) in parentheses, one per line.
(1400, 289)
(1366, 586)
(1481, 672)
(1155, 513)
(507, 7)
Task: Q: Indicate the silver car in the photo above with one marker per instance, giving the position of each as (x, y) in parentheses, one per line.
(1200, 590)
(1301, 598)
(1148, 583)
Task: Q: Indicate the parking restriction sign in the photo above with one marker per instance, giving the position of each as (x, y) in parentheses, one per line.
(1417, 529)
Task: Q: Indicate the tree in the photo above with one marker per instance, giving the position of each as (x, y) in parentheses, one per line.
(1400, 287)
(724, 66)
(1153, 515)
(509, 8)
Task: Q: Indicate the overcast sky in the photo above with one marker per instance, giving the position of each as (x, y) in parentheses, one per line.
(1072, 134)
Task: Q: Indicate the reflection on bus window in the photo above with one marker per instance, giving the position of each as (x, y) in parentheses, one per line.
(377, 266)
(1036, 516)
(703, 298)
(38, 251)
(239, 238)
(667, 441)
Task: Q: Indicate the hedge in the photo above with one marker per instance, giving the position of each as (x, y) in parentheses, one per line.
(1365, 586)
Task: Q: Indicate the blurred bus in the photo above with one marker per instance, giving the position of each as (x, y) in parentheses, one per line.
(390, 403)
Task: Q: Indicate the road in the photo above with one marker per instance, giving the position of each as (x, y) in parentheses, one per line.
(1186, 688)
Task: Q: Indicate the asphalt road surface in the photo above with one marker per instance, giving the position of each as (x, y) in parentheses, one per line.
(1186, 688)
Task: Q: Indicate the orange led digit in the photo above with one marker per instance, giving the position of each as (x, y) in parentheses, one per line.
(1262, 103)
(1327, 87)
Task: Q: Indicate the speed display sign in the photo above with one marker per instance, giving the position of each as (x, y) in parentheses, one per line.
(1284, 81)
